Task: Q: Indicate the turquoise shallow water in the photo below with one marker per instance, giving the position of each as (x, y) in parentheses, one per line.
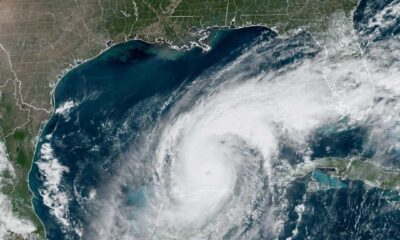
(108, 108)
(129, 83)
(326, 180)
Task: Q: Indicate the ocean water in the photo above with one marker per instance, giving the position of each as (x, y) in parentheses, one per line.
(148, 142)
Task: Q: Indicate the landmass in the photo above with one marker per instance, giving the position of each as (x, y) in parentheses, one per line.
(41, 40)
(354, 168)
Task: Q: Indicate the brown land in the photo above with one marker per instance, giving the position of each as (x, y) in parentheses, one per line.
(40, 39)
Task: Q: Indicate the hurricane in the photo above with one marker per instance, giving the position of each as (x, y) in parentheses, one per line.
(248, 134)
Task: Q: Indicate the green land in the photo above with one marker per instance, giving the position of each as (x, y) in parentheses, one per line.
(40, 39)
(353, 169)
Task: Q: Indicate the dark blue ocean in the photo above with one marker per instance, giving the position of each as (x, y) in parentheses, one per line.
(108, 106)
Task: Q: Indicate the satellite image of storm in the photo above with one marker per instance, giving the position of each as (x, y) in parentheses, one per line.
(199, 119)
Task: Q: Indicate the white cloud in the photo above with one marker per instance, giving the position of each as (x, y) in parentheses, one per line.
(207, 179)
(65, 107)
(10, 223)
(53, 197)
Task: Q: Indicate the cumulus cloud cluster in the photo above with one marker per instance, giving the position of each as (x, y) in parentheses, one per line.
(215, 156)
(10, 223)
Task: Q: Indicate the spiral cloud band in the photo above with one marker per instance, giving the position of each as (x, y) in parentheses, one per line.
(206, 147)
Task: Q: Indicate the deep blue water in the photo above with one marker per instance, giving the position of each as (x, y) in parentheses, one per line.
(127, 90)
(117, 86)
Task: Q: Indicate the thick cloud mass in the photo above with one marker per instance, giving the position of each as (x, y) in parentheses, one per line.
(210, 156)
